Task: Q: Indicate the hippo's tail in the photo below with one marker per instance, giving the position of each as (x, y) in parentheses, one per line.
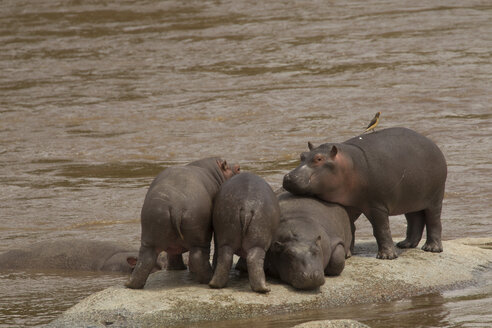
(245, 218)
(175, 217)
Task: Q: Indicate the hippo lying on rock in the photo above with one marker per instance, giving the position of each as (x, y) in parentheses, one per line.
(177, 217)
(388, 172)
(72, 254)
(245, 216)
(312, 240)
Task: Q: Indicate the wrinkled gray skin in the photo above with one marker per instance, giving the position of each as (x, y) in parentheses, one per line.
(72, 254)
(312, 240)
(245, 216)
(388, 172)
(177, 217)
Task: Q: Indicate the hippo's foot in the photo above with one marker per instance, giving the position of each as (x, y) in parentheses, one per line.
(432, 246)
(387, 254)
(261, 288)
(407, 244)
(133, 284)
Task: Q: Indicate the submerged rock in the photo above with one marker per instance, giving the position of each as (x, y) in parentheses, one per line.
(173, 298)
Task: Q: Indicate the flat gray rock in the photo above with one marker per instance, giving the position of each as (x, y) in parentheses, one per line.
(332, 324)
(172, 297)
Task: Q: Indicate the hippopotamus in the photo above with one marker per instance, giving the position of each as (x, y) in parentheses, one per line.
(176, 218)
(312, 240)
(245, 216)
(72, 254)
(388, 172)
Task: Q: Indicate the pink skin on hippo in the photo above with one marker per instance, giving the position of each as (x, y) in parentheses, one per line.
(389, 172)
(312, 240)
(177, 217)
(245, 216)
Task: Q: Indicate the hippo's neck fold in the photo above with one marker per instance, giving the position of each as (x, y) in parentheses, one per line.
(355, 166)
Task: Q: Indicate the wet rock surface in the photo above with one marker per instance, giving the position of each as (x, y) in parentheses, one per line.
(173, 298)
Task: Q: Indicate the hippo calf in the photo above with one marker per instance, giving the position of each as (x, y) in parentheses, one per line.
(177, 217)
(245, 216)
(72, 254)
(312, 240)
(388, 172)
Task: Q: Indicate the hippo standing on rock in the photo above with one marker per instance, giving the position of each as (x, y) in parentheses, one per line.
(245, 216)
(388, 172)
(312, 240)
(177, 217)
(72, 254)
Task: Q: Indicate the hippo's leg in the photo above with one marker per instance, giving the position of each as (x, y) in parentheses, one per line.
(434, 229)
(175, 262)
(224, 264)
(147, 257)
(337, 261)
(199, 263)
(255, 260)
(353, 216)
(415, 227)
(381, 230)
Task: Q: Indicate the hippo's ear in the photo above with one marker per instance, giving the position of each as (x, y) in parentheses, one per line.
(333, 151)
(223, 165)
(310, 145)
(132, 261)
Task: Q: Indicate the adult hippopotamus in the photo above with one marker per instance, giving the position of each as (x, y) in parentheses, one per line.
(245, 216)
(388, 172)
(177, 217)
(72, 254)
(312, 240)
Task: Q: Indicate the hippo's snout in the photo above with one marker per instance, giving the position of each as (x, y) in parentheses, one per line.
(296, 183)
(308, 281)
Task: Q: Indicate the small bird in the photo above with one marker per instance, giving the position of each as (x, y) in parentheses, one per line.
(373, 123)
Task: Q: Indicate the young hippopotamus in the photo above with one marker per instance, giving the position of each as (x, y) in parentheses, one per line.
(312, 240)
(72, 254)
(388, 172)
(177, 217)
(245, 216)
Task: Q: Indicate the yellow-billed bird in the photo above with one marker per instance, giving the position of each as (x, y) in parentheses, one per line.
(373, 123)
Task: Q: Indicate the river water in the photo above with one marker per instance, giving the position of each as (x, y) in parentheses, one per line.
(97, 97)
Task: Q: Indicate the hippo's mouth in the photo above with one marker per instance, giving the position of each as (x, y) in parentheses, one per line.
(294, 185)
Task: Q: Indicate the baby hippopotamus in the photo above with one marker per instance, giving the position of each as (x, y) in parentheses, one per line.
(312, 240)
(245, 216)
(72, 254)
(388, 172)
(177, 217)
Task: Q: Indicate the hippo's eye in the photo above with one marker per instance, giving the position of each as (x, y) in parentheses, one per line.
(318, 159)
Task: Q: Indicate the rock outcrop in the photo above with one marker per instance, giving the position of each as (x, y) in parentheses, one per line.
(173, 298)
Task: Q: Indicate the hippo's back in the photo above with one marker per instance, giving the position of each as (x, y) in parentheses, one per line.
(398, 145)
(64, 254)
(332, 217)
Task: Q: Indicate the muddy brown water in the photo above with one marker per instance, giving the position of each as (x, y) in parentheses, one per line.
(97, 97)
